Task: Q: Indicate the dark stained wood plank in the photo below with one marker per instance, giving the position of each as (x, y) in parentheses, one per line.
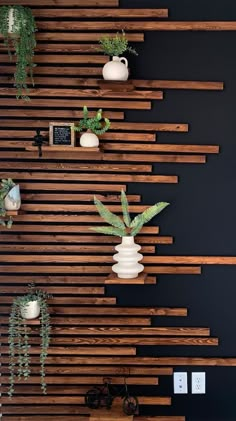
(202, 260)
(45, 409)
(67, 103)
(21, 248)
(56, 114)
(75, 197)
(59, 290)
(84, 36)
(101, 13)
(180, 270)
(61, 58)
(75, 300)
(121, 330)
(161, 148)
(92, 321)
(179, 84)
(140, 25)
(28, 135)
(117, 311)
(80, 93)
(61, 3)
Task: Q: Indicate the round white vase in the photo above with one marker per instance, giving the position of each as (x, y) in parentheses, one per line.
(127, 258)
(117, 69)
(12, 200)
(31, 310)
(89, 140)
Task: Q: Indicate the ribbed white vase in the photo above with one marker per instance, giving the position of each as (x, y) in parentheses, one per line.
(127, 258)
(12, 200)
(31, 310)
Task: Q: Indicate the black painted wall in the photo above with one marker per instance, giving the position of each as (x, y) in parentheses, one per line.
(203, 205)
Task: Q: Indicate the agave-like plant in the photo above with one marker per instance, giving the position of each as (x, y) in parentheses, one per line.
(126, 226)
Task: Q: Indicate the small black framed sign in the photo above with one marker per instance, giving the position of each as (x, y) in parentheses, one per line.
(61, 134)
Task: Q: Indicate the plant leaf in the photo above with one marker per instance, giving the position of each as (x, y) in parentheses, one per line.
(109, 231)
(107, 215)
(146, 216)
(125, 208)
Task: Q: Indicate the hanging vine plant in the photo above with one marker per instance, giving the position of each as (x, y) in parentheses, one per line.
(17, 26)
(19, 336)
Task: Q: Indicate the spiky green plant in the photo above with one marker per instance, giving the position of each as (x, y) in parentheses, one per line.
(18, 337)
(6, 186)
(126, 226)
(23, 41)
(116, 45)
(94, 124)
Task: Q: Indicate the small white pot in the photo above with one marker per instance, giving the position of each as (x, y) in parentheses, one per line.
(117, 69)
(11, 28)
(127, 258)
(12, 200)
(89, 140)
(31, 310)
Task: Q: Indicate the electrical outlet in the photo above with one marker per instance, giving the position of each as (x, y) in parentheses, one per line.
(198, 383)
(180, 383)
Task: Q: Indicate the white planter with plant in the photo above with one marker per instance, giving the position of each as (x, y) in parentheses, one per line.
(17, 25)
(128, 258)
(23, 308)
(94, 127)
(9, 200)
(117, 68)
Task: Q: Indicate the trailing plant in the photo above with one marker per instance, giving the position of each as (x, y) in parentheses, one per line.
(23, 41)
(125, 226)
(19, 337)
(96, 124)
(6, 186)
(116, 45)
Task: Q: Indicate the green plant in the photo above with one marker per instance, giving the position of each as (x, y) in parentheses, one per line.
(93, 124)
(23, 41)
(126, 226)
(117, 45)
(6, 186)
(18, 339)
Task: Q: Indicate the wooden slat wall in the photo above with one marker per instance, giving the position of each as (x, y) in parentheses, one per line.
(50, 241)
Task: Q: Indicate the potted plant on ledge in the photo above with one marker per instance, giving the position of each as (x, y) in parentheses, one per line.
(27, 307)
(128, 258)
(10, 200)
(117, 69)
(94, 127)
(17, 26)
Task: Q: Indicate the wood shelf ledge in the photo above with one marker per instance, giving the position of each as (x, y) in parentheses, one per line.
(63, 149)
(113, 85)
(141, 279)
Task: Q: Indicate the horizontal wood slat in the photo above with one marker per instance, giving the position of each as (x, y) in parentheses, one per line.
(119, 331)
(117, 311)
(178, 270)
(56, 114)
(161, 148)
(140, 26)
(68, 103)
(86, 36)
(92, 82)
(61, 3)
(80, 93)
(202, 260)
(19, 248)
(101, 13)
(74, 321)
(145, 341)
(60, 58)
(98, 177)
(28, 135)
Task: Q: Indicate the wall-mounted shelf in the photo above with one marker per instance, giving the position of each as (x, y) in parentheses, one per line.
(113, 279)
(13, 213)
(63, 149)
(110, 85)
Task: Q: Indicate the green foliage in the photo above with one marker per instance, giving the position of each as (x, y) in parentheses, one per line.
(125, 209)
(117, 45)
(126, 227)
(23, 41)
(94, 124)
(18, 337)
(6, 186)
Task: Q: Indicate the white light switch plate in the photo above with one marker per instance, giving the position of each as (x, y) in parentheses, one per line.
(180, 383)
(199, 383)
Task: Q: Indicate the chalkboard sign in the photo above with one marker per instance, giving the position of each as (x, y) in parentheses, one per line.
(61, 134)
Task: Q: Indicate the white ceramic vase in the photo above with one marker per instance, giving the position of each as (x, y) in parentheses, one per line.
(117, 69)
(12, 200)
(31, 310)
(89, 140)
(127, 258)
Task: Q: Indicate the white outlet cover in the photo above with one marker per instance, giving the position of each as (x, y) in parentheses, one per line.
(180, 383)
(198, 382)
